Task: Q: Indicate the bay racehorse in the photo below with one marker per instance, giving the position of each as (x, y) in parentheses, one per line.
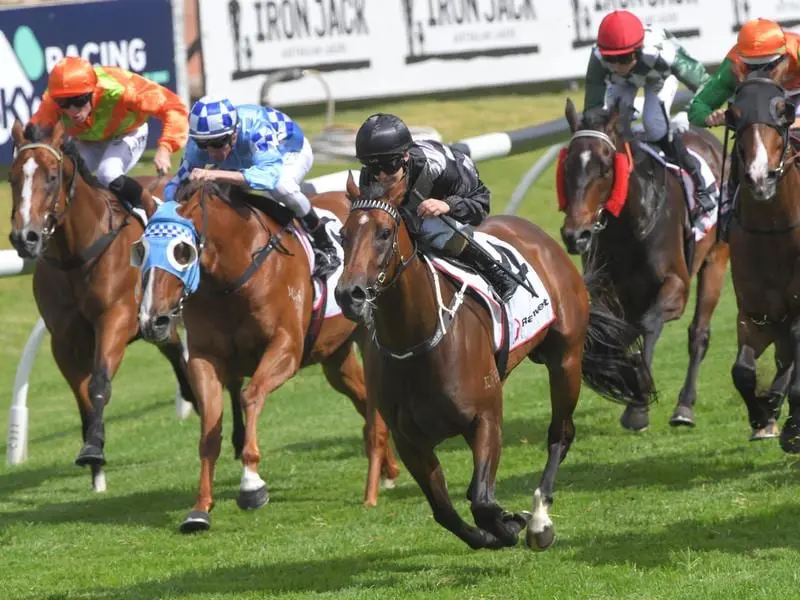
(83, 283)
(250, 317)
(433, 383)
(765, 250)
(633, 219)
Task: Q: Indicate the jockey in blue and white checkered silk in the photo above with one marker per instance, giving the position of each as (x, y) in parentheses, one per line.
(259, 149)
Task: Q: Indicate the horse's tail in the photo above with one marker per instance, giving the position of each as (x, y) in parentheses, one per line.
(613, 364)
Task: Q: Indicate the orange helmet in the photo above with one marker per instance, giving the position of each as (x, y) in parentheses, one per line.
(72, 76)
(760, 42)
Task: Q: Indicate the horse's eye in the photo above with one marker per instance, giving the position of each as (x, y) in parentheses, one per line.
(51, 177)
(384, 234)
(184, 254)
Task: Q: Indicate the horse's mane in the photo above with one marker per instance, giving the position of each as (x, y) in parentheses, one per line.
(187, 189)
(373, 190)
(595, 118)
(34, 133)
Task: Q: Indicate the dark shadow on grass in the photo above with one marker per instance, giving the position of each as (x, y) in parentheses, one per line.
(363, 571)
(149, 509)
(674, 545)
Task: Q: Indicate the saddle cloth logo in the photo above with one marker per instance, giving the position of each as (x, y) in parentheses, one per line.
(527, 315)
(333, 226)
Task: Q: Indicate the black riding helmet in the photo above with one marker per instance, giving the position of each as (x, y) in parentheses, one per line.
(382, 135)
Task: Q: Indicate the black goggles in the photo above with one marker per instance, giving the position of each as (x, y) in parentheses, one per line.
(76, 101)
(389, 164)
(216, 143)
(620, 59)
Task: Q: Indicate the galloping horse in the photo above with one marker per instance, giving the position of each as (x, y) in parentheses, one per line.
(644, 247)
(250, 317)
(83, 283)
(765, 248)
(434, 381)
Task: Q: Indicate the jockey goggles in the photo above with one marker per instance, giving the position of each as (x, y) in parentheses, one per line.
(620, 59)
(215, 143)
(76, 101)
(388, 164)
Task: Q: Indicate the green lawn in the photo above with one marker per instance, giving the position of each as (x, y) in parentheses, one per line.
(665, 514)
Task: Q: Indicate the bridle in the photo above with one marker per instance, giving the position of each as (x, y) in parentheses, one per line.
(380, 285)
(53, 217)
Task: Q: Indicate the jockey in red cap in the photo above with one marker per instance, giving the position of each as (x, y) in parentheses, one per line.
(629, 56)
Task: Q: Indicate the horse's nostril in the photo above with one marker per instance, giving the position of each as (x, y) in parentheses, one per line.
(585, 236)
(358, 294)
(161, 322)
(31, 237)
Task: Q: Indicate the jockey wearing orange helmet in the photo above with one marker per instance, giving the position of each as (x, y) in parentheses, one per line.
(106, 110)
(629, 56)
(762, 44)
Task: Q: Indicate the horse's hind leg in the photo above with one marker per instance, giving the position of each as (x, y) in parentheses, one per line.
(485, 440)
(424, 467)
(565, 387)
(73, 355)
(237, 435)
(752, 342)
(790, 434)
(345, 374)
(173, 351)
(710, 279)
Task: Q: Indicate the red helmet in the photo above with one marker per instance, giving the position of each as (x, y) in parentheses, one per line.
(621, 32)
(72, 76)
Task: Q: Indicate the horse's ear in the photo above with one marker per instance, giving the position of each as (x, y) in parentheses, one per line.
(353, 192)
(57, 137)
(18, 133)
(572, 115)
(781, 73)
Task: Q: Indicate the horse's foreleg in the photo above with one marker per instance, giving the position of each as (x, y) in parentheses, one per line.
(790, 434)
(111, 335)
(346, 376)
(73, 355)
(280, 362)
(485, 440)
(752, 342)
(424, 467)
(206, 377)
(565, 388)
(710, 279)
(173, 351)
(669, 305)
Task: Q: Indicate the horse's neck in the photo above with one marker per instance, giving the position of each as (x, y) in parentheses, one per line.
(85, 219)
(407, 312)
(779, 214)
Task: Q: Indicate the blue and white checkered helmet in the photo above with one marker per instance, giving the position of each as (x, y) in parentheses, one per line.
(211, 118)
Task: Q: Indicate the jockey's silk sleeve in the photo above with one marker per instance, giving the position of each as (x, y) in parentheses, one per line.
(468, 197)
(713, 93)
(267, 161)
(193, 158)
(596, 74)
(48, 113)
(149, 98)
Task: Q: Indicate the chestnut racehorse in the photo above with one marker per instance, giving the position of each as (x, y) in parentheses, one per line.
(765, 247)
(650, 265)
(430, 386)
(249, 317)
(83, 283)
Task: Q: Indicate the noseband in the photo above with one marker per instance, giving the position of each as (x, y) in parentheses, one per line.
(53, 217)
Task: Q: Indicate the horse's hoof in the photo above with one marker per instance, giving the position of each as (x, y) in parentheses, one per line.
(252, 499)
(197, 520)
(635, 418)
(790, 437)
(682, 416)
(542, 540)
(90, 455)
(388, 484)
(768, 432)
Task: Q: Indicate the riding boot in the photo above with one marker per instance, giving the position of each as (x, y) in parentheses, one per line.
(325, 258)
(133, 194)
(676, 151)
(501, 281)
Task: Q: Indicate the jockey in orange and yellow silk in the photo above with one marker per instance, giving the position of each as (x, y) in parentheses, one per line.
(106, 110)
